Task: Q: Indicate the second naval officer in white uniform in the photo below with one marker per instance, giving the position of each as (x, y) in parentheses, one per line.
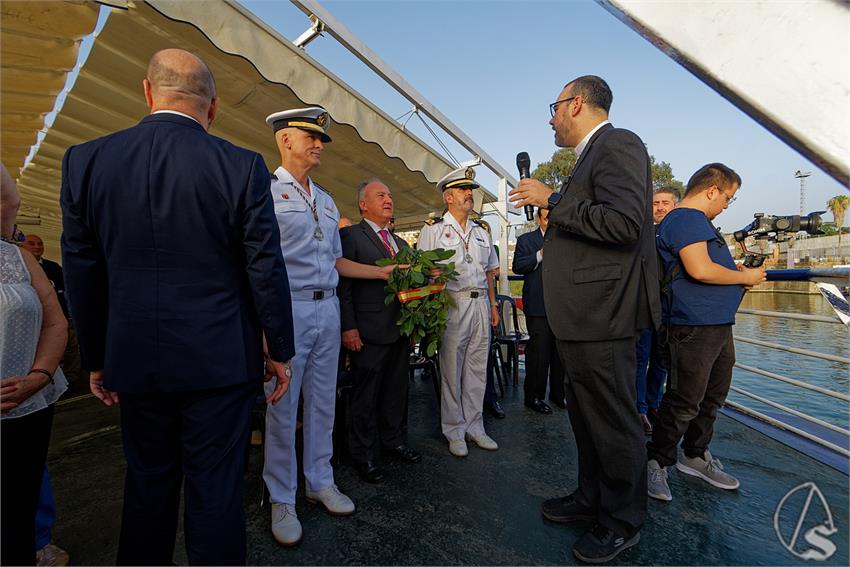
(466, 340)
(309, 239)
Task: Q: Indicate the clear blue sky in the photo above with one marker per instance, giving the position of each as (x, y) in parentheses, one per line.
(493, 68)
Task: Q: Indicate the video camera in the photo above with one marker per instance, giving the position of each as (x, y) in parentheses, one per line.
(776, 229)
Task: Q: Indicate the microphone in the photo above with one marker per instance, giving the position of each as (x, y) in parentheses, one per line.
(523, 164)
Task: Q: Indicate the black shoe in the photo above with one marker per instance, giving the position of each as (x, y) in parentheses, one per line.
(539, 406)
(566, 510)
(370, 472)
(404, 453)
(495, 409)
(601, 544)
(562, 403)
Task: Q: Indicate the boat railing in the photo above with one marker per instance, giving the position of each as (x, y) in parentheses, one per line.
(806, 433)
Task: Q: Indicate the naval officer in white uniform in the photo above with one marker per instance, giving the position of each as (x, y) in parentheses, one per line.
(464, 346)
(309, 240)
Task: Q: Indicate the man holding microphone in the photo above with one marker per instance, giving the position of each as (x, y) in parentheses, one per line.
(600, 288)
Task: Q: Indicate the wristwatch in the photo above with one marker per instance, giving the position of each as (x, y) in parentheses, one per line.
(554, 199)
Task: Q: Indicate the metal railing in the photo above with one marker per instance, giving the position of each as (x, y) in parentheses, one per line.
(843, 397)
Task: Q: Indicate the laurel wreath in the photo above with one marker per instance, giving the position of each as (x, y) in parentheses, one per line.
(424, 303)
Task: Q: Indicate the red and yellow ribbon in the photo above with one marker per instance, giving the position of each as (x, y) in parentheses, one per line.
(419, 292)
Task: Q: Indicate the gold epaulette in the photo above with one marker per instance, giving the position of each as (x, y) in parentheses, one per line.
(433, 221)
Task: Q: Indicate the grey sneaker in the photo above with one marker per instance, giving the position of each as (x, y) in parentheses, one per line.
(656, 482)
(709, 469)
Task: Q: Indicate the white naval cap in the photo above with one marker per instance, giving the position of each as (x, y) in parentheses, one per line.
(460, 178)
(310, 119)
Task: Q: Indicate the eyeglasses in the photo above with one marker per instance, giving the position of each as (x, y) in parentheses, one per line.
(553, 108)
(729, 200)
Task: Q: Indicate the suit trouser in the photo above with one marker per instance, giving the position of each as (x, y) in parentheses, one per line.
(600, 392)
(379, 398)
(197, 440)
(314, 376)
(542, 362)
(463, 366)
(703, 358)
(23, 448)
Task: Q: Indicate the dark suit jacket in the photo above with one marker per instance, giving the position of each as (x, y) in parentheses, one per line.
(53, 271)
(361, 302)
(525, 264)
(172, 258)
(600, 275)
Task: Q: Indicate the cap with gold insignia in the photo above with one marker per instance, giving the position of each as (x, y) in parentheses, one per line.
(310, 119)
(460, 178)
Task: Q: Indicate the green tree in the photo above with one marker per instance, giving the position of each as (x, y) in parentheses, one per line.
(838, 206)
(662, 176)
(555, 171)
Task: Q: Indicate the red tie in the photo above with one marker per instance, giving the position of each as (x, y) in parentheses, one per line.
(385, 237)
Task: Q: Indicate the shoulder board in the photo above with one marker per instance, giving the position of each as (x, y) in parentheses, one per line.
(320, 188)
(433, 221)
(483, 224)
(273, 176)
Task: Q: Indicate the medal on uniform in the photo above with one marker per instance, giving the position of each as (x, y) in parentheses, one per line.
(467, 257)
(317, 232)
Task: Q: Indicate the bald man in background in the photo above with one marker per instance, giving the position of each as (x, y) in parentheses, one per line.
(71, 359)
(148, 214)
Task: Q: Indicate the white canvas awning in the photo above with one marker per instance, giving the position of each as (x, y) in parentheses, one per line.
(257, 72)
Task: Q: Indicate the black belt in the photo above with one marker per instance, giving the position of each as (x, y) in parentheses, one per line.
(312, 294)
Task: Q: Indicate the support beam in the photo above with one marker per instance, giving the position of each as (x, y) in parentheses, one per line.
(360, 50)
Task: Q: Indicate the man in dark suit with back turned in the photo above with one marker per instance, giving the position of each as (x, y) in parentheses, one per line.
(380, 356)
(601, 286)
(175, 280)
(541, 356)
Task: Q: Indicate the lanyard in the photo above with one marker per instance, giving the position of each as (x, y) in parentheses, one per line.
(466, 257)
(317, 232)
(310, 202)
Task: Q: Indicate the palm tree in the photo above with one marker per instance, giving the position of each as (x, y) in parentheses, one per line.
(838, 206)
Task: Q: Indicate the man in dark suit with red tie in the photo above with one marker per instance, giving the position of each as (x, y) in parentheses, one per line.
(175, 280)
(600, 283)
(380, 356)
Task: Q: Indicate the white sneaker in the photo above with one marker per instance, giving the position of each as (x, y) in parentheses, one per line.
(485, 442)
(334, 501)
(285, 525)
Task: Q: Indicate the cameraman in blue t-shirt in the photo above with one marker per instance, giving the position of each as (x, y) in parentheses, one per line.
(703, 288)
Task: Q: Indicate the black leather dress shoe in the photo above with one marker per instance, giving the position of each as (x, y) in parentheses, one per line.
(495, 409)
(370, 472)
(562, 403)
(404, 453)
(538, 405)
(566, 510)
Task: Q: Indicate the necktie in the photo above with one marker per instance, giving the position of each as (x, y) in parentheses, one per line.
(385, 237)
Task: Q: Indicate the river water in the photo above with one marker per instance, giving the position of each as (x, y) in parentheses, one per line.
(827, 338)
